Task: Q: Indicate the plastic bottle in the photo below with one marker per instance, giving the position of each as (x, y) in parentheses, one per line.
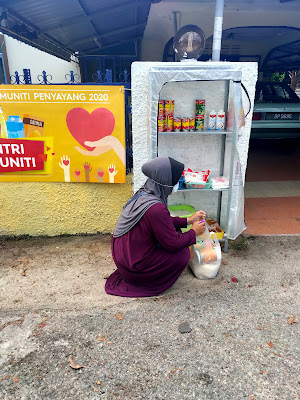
(212, 120)
(220, 124)
(3, 129)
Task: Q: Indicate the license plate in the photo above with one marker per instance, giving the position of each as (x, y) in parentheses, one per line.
(282, 116)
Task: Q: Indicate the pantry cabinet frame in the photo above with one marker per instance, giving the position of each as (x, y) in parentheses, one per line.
(185, 72)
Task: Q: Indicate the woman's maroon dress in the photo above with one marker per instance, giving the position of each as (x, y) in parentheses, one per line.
(151, 256)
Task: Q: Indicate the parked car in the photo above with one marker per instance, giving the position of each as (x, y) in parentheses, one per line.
(276, 111)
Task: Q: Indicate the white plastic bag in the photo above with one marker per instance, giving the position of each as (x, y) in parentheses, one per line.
(205, 262)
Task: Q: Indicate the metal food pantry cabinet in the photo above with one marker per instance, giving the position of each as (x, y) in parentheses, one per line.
(219, 84)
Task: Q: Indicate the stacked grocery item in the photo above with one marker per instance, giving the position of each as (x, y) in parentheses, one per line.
(196, 180)
(168, 123)
(200, 114)
(219, 182)
(216, 120)
(165, 116)
(200, 180)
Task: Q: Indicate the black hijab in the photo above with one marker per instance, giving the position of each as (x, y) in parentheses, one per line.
(163, 174)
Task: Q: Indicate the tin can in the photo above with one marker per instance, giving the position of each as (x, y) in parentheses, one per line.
(165, 118)
(177, 124)
(185, 124)
(160, 124)
(200, 107)
(161, 108)
(192, 124)
(199, 122)
(172, 107)
(170, 123)
(167, 107)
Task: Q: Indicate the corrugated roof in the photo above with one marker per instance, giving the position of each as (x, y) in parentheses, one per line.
(68, 26)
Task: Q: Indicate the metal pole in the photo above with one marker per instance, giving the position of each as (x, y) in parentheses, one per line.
(175, 22)
(216, 49)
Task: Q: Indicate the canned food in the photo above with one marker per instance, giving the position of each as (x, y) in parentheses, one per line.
(160, 124)
(200, 107)
(167, 107)
(177, 124)
(170, 123)
(185, 124)
(192, 124)
(165, 123)
(172, 107)
(199, 123)
(161, 107)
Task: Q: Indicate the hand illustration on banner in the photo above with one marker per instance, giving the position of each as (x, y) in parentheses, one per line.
(93, 131)
(77, 174)
(87, 170)
(102, 146)
(100, 175)
(65, 165)
(112, 173)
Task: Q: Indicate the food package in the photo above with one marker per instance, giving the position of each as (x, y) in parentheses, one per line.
(185, 124)
(33, 126)
(165, 123)
(196, 180)
(199, 121)
(161, 108)
(177, 124)
(160, 124)
(169, 107)
(219, 182)
(170, 125)
(200, 107)
(192, 124)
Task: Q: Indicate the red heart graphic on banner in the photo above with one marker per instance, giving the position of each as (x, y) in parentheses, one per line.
(77, 173)
(101, 174)
(111, 170)
(90, 127)
(66, 162)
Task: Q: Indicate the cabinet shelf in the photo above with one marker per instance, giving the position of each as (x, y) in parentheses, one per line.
(194, 133)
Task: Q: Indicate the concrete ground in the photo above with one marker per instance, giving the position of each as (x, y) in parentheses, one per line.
(243, 340)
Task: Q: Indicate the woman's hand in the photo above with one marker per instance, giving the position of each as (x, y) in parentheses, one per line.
(199, 227)
(198, 216)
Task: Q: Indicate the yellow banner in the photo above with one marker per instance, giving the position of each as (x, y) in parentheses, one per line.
(62, 133)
